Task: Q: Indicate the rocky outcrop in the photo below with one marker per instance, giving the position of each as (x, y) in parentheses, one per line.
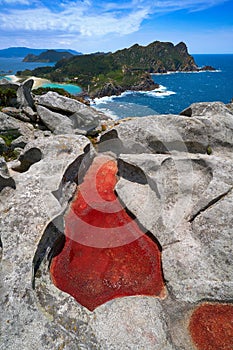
(23, 92)
(174, 180)
(20, 121)
(65, 115)
(145, 83)
(24, 97)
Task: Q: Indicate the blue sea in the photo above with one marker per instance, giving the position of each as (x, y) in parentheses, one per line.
(9, 66)
(72, 89)
(177, 90)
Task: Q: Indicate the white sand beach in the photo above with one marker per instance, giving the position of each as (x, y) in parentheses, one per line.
(37, 81)
(13, 78)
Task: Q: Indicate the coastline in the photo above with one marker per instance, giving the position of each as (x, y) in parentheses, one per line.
(37, 81)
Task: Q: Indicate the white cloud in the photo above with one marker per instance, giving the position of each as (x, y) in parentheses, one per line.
(195, 5)
(88, 18)
(74, 19)
(15, 2)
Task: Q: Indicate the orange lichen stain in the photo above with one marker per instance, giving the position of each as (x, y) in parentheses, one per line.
(211, 327)
(106, 255)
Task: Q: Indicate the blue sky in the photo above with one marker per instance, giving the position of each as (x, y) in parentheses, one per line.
(206, 26)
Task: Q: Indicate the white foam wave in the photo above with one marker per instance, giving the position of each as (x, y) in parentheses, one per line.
(191, 72)
(160, 92)
(107, 112)
(101, 100)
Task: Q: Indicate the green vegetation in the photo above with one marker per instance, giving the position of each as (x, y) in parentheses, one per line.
(8, 137)
(6, 94)
(209, 150)
(48, 56)
(124, 69)
(10, 154)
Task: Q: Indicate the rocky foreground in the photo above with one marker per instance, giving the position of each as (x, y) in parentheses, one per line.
(174, 177)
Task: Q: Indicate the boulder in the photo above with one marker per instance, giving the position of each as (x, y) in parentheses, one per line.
(83, 117)
(8, 123)
(63, 115)
(159, 134)
(11, 129)
(206, 109)
(16, 113)
(20, 142)
(30, 113)
(218, 121)
(24, 97)
(55, 122)
(23, 92)
(208, 130)
(56, 102)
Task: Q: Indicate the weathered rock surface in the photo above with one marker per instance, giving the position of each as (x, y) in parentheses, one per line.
(23, 92)
(5, 178)
(56, 102)
(167, 133)
(55, 122)
(15, 133)
(24, 97)
(77, 117)
(175, 178)
(56, 113)
(23, 217)
(8, 123)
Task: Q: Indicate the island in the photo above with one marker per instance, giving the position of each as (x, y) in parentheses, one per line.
(107, 74)
(48, 56)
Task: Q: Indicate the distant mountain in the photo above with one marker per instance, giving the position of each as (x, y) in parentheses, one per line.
(24, 51)
(48, 56)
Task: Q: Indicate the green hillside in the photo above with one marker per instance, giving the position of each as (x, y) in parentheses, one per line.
(111, 73)
(48, 56)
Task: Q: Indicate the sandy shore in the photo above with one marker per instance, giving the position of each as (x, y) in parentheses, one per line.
(13, 78)
(37, 81)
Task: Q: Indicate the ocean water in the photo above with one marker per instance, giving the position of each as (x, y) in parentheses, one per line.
(10, 66)
(15, 64)
(177, 90)
(72, 89)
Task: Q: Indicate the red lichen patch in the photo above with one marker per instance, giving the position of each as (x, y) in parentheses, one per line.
(211, 327)
(106, 255)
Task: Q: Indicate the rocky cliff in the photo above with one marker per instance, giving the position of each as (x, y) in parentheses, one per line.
(174, 181)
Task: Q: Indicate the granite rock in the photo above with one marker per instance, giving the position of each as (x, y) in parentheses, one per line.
(172, 184)
(55, 122)
(24, 96)
(83, 118)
